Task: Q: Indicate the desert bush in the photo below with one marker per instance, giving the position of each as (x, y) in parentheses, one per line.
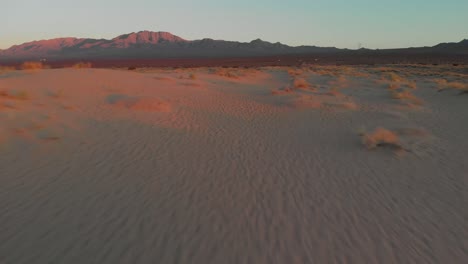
(333, 92)
(393, 86)
(406, 95)
(285, 90)
(224, 72)
(301, 83)
(192, 76)
(82, 65)
(32, 65)
(295, 72)
(411, 84)
(444, 85)
(381, 137)
(394, 77)
(6, 69)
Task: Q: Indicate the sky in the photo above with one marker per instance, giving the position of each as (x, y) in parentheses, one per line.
(340, 23)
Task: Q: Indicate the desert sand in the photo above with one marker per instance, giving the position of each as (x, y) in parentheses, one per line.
(311, 164)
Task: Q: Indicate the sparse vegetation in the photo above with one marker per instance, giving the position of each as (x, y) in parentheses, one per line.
(285, 90)
(82, 65)
(224, 72)
(381, 137)
(301, 83)
(295, 72)
(406, 95)
(444, 85)
(4, 69)
(32, 65)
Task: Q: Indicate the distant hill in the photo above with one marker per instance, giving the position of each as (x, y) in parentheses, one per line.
(147, 44)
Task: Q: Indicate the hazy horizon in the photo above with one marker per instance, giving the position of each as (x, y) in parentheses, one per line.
(362, 23)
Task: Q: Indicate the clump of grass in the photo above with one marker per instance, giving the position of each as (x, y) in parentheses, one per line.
(224, 72)
(333, 92)
(4, 69)
(339, 82)
(192, 76)
(411, 85)
(394, 77)
(32, 65)
(381, 137)
(301, 83)
(285, 90)
(393, 86)
(82, 65)
(406, 95)
(295, 72)
(444, 85)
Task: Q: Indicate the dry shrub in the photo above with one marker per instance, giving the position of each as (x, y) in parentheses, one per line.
(295, 72)
(340, 82)
(393, 86)
(32, 65)
(4, 69)
(301, 83)
(334, 93)
(394, 77)
(285, 90)
(82, 65)
(381, 137)
(406, 95)
(192, 76)
(411, 84)
(440, 82)
(223, 72)
(444, 85)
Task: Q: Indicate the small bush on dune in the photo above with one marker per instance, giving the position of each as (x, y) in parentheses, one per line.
(32, 65)
(82, 65)
(192, 76)
(394, 77)
(333, 92)
(444, 85)
(393, 86)
(224, 72)
(295, 72)
(301, 83)
(285, 90)
(411, 85)
(381, 137)
(6, 69)
(406, 95)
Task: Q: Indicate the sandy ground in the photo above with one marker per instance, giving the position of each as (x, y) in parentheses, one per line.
(270, 165)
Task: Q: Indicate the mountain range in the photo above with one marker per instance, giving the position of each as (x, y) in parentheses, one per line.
(148, 44)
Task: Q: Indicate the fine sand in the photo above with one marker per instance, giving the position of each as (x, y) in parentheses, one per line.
(317, 164)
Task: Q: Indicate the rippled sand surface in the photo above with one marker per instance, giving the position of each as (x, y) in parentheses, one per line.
(267, 165)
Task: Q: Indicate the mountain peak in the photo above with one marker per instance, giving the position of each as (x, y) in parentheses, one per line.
(145, 37)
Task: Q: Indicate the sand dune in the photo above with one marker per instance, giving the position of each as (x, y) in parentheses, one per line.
(267, 165)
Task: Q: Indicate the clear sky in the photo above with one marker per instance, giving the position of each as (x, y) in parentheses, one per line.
(340, 23)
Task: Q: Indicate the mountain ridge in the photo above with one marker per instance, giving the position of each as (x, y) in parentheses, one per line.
(160, 44)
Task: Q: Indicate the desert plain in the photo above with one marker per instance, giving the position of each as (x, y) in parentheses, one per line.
(309, 164)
